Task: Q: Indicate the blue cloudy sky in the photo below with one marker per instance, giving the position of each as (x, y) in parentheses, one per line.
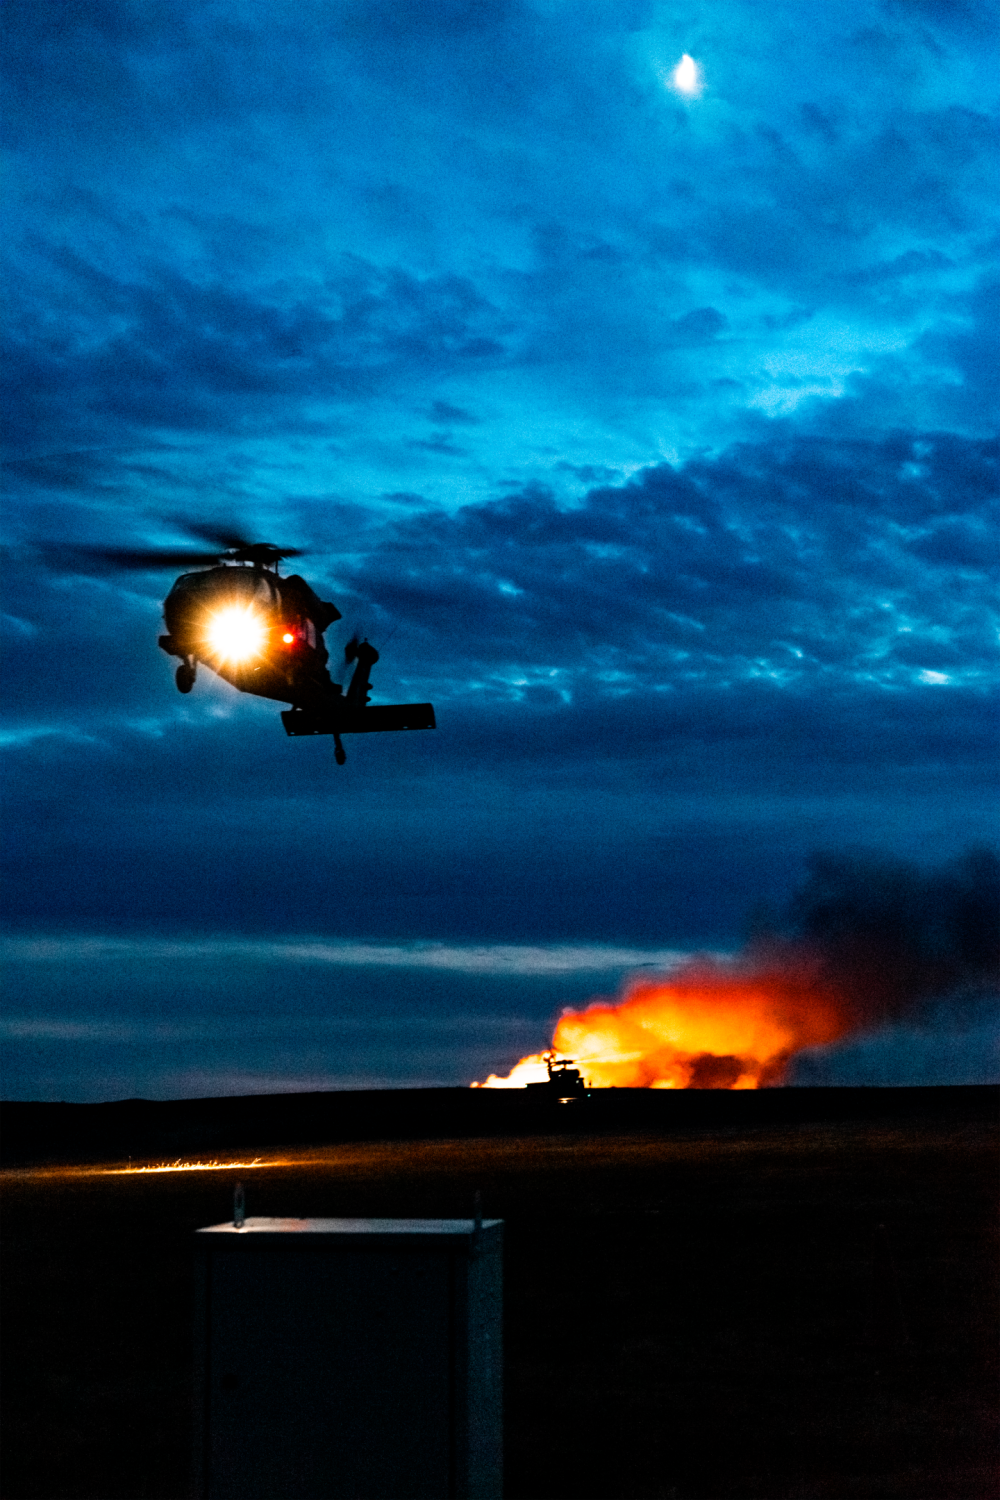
(649, 434)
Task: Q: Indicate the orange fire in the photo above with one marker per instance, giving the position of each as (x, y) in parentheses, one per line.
(708, 1026)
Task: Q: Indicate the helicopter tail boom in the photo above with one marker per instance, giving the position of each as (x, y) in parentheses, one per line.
(344, 720)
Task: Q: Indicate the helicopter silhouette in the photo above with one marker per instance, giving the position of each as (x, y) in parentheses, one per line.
(263, 634)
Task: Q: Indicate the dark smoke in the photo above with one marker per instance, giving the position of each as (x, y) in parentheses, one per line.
(892, 940)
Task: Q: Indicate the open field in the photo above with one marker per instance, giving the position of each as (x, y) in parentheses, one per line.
(805, 1310)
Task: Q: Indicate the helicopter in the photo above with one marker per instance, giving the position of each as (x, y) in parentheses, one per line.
(263, 633)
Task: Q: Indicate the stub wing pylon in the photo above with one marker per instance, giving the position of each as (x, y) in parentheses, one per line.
(343, 718)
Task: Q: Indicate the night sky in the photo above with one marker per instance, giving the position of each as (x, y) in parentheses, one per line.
(643, 419)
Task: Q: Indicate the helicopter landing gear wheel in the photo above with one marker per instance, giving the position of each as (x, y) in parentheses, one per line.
(339, 753)
(184, 677)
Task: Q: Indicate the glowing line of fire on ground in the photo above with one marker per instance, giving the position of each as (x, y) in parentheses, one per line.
(153, 1169)
(187, 1166)
(709, 1025)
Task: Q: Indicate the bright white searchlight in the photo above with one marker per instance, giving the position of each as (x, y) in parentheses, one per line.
(236, 633)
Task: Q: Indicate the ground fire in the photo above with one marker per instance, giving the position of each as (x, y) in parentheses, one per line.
(863, 944)
(706, 1026)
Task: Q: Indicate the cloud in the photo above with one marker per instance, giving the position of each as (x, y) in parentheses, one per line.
(232, 226)
(641, 691)
(799, 561)
(443, 411)
(462, 300)
(494, 959)
(171, 352)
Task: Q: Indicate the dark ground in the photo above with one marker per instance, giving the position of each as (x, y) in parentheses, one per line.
(713, 1312)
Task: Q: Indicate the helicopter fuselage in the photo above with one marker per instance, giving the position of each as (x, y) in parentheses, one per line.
(264, 635)
(260, 632)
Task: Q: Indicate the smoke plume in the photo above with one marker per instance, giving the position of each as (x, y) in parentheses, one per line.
(888, 938)
(864, 944)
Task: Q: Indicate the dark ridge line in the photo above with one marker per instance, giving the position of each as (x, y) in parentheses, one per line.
(34, 1133)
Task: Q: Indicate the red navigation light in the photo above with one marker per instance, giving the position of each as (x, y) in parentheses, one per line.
(288, 638)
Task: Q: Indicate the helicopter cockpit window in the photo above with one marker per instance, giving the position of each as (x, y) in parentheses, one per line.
(246, 585)
(239, 582)
(189, 583)
(310, 630)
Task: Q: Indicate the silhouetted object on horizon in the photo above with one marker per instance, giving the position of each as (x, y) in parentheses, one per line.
(564, 1083)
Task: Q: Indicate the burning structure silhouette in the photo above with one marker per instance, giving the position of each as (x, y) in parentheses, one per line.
(863, 943)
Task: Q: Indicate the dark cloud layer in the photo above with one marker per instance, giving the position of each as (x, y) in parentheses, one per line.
(650, 437)
(172, 352)
(704, 657)
(789, 557)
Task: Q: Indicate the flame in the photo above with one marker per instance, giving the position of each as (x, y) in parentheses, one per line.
(708, 1026)
(529, 1070)
(157, 1168)
(184, 1166)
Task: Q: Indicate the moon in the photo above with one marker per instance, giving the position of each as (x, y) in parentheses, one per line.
(687, 78)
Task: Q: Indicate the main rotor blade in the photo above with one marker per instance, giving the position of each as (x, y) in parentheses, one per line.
(224, 538)
(150, 559)
(147, 559)
(269, 547)
(231, 542)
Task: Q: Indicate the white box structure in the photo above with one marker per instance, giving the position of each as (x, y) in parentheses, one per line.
(349, 1359)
